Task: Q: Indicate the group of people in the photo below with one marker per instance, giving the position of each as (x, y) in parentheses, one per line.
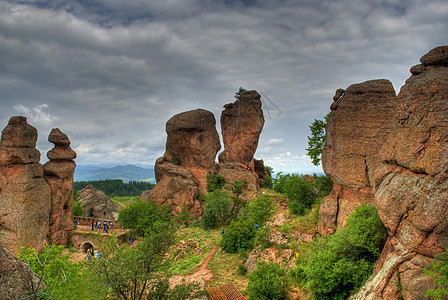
(93, 254)
(106, 226)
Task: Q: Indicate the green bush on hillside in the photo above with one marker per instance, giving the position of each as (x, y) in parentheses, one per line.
(260, 209)
(238, 236)
(342, 263)
(215, 182)
(299, 191)
(218, 209)
(439, 270)
(267, 282)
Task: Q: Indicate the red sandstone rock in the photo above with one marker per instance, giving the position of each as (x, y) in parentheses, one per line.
(25, 197)
(193, 139)
(96, 203)
(59, 175)
(409, 181)
(238, 172)
(175, 187)
(355, 133)
(241, 125)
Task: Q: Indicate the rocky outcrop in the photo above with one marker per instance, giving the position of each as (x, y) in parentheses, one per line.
(241, 125)
(193, 143)
(17, 280)
(236, 172)
(25, 197)
(411, 183)
(175, 187)
(406, 178)
(58, 173)
(96, 203)
(356, 130)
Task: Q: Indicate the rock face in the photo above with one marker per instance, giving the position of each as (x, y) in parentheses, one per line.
(16, 278)
(25, 197)
(58, 173)
(356, 130)
(96, 203)
(241, 125)
(238, 172)
(408, 177)
(175, 187)
(193, 138)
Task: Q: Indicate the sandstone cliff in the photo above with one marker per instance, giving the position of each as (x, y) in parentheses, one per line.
(59, 175)
(404, 166)
(25, 197)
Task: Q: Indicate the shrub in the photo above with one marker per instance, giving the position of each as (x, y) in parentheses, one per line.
(324, 185)
(343, 262)
(239, 235)
(218, 209)
(267, 281)
(300, 192)
(215, 182)
(260, 209)
(439, 270)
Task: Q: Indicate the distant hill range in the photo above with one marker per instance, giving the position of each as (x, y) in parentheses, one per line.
(126, 173)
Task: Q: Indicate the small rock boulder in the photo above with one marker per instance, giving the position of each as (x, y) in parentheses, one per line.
(96, 203)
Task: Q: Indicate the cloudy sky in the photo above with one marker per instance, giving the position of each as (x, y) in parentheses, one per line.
(110, 73)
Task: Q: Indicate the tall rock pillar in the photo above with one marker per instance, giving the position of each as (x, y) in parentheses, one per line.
(59, 175)
(25, 197)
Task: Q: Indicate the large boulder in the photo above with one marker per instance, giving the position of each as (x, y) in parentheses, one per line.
(237, 172)
(25, 196)
(193, 143)
(241, 125)
(175, 187)
(411, 184)
(17, 280)
(58, 173)
(357, 128)
(96, 203)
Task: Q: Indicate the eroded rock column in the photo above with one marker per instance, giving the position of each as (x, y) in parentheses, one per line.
(25, 196)
(59, 175)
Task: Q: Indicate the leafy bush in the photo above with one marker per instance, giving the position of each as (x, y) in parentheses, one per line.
(239, 235)
(267, 281)
(215, 182)
(439, 270)
(78, 208)
(218, 208)
(142, 215)
(299, 191)
(343, 262)
(260, 209)
(324, 185)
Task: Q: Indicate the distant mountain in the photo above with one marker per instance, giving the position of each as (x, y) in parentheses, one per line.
(126, 173)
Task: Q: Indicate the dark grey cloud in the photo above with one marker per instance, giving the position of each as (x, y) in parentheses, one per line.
(110, 73)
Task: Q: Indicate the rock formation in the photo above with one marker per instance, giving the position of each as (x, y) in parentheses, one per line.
(193, 139)
(191, 149)
(241, 125)
(407, 175)
(58, 173)
(175, 187)
(96, 203)
(355, 132)
(25, 197)
(16, 278)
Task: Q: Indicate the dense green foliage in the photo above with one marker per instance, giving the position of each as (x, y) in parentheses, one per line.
(267, 282)
(299, 191)
(239, 235)
(62, 278)
(267, 180)
(439, 270)
(78, 208)
(116, 186)
(342, 263)
(317, 139)
(215, 182)
(323, 184)
(218, 209)
(260, 209)
(142, 216)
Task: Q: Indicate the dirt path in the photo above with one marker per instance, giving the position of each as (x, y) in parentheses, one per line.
(209, 257)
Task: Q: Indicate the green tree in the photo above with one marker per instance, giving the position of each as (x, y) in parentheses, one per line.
(317, 139)
(260, 209)
(439, 270)
(299, 191)
(78, 208)
(218, 209)
(141, 216)
(239, 235)
(215, 182)
(238, 94)
(267, 282)
(342, 263)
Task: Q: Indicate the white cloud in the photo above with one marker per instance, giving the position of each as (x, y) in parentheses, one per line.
(36, 114)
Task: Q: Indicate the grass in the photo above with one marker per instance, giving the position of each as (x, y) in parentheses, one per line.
(123, 201)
